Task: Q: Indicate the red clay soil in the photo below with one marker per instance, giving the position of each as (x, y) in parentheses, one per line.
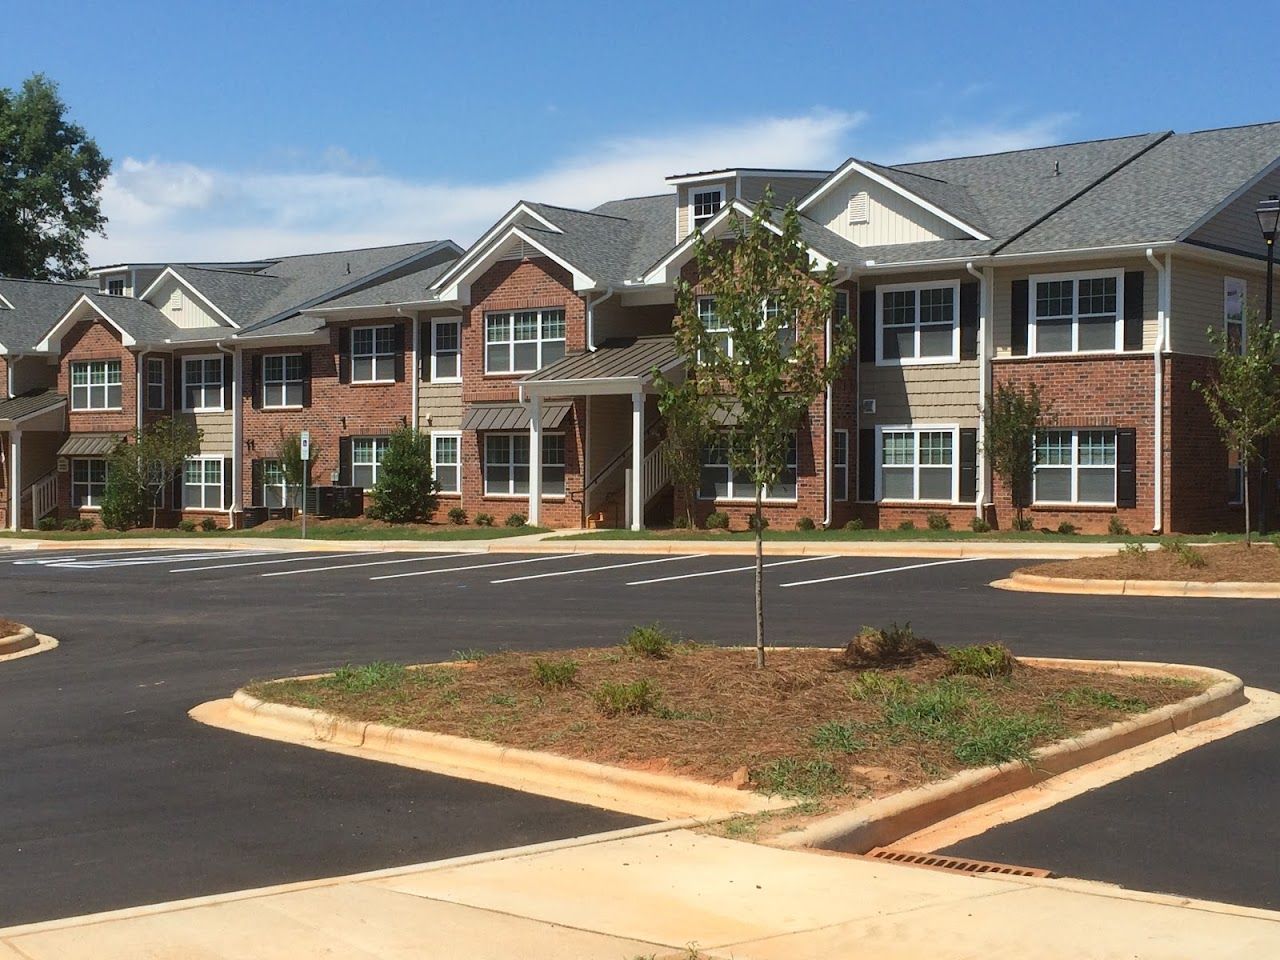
(1228, 562)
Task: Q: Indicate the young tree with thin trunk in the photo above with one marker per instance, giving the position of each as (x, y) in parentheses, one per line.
(295, 468)
(685, 408)
(1011, 420)
(754, 332)
(1243, 397)
(162, 450)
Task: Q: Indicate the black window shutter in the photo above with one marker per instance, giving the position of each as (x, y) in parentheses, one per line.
(969, 321)
(426, 346)
(1133, 309)
(255, 481)
(228, 482)
(344, 354)
(1126, 467)
(867, 464)
(306, 378)
(867, 326)
(1022, 492)
(968, 464)
(398, 345)
(1019, 314)
(177, 385)
(176, 493)
(344, 462)
(255, 382)
(228, 372)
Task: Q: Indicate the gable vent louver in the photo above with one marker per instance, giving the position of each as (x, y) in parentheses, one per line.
(859, 207)
(520, 251)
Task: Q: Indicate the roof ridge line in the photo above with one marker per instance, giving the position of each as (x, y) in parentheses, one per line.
(910, 173)
(585, 213)
(1162, 134)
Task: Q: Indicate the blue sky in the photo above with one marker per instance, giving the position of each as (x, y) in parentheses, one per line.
(250, 129)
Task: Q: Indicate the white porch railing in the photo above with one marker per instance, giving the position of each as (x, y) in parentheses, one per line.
(44, 496)
(656, 473)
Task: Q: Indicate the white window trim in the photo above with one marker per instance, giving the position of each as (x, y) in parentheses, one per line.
(222, 382)
(721, 189)
(374, 355)
(445, 434)
(1033, 345)
(1074, 466)
(511, 343)
(917, 360)
(836, 494)
(752, 499)
(89, 386)
(284, 369)
(1244, 296)
(917, 429)
(221, 485)
(147, 384)
(287, 497)
(455, 322)
(484, 465)
(375, 464)
(105, 468)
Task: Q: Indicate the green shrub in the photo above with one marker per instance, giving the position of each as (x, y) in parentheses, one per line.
(1135, 551)
(717, 520)
(187, 526)
(372, 676)
(555, 674)
(484, 519)
(71, 523)
(47, 523)
(681, 522)
(633, 698)
(762, 521)
(938, 521)
(980, 660)
(979, 525)
(838, 736)
(854, 524)
(516, 520)
(650, 641)
(907, 525)
(1023, 524)
(806, 523)
(458, 517)
(1067, 528)
(208, 524)
(405, 491)
(1116, 528)
(124, 498)
(789, 777)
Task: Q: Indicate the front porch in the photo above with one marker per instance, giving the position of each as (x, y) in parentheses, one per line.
(32, 426)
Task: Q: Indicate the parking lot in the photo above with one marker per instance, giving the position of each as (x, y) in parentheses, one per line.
(111, 796)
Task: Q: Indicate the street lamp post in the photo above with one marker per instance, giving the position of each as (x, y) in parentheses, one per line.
(1268, 214)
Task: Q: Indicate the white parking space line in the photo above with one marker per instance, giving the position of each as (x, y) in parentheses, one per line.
(259, 563)
(423, 558)
(142, 562)
(716, 573)
(481, 566)
(612, 566)
(876, 573)
(44, 561)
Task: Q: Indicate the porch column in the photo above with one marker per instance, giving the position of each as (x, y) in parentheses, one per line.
(637, 460)
(535, 459)
(15, 480)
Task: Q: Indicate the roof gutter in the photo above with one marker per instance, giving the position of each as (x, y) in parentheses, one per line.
(1157, 411)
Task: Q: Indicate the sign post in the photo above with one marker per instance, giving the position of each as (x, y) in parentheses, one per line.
(304, 454)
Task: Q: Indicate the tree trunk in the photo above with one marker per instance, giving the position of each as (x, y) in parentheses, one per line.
(759, 581)
(1248, 520)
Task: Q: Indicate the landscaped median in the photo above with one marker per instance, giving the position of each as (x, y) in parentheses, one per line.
(890, 730)
(1176, 569)
(19, 640)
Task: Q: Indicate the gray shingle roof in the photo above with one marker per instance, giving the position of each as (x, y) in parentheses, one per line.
(241, 296)
(954, 198)
(37, 305)
(137, 318)
(408, 288)
(618, 357)
(655, 220)
(31, 402)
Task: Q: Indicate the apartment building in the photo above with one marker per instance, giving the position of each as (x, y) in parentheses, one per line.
(1094, 270)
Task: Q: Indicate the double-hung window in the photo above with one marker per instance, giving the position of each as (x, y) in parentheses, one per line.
(523, 341)
(373, 354)
(1075, 466)
(706, 204)
(1076, 313)
(366, 459)
(446, 461)
(155, 383)
(282, 380)
(840, 464)
(506, 464)
(95, 385)
(720, 332)
(919, 323)
(275, 489)
(88, 482)
(719, 481)
(202, 484)
(202, 383)
(1233, 294)
(918, 464)
(115, 288)
(446, 351)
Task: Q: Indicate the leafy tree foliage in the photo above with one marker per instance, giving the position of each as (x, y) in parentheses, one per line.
(161, 452)
(405, 491)
(124, 498)
(295, 468)
(1011, 421)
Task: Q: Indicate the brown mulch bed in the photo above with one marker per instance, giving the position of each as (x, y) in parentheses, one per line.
(720, 720)
(319, 523)
(8, 628)
(1259, 563)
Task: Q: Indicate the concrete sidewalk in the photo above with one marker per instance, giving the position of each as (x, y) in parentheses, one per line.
(652, 891)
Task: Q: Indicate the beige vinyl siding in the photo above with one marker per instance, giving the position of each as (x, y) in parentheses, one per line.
(684, 215)
(892, 218)
(945, 393)
(1197, 293)
(216, 427)
(182, 309)
(1236, 226)
(440, 406)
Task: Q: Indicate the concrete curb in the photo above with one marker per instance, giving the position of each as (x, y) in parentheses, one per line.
(882, 822)
(1038, 583)
(631, 791)
(43, 644)
(24, 639)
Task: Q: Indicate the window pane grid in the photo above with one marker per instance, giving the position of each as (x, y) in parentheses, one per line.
(1075, 466)
(720, 482)
(917, 465)
(95, 385)
(1075, 314)
(918, 324)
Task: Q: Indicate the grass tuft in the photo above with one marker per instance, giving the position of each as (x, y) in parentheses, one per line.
(1104, 700)
(805, 779)
(989, 660)
(651, 641)
(469, 655)
(839, 736)
(379, 675)
(634, 698)
(555, 674)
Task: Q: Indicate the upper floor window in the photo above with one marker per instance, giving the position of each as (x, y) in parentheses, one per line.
(1233, 294)
(918, 464)
(115, 288)
(155, 383)
(1075, 313)
(446, 351)
(373, 354)
(705, 204)
(95, 385)
(1075, 466)
(918, 323)
(202, 383)
(723, 335)
(282, 380)
(523, 341)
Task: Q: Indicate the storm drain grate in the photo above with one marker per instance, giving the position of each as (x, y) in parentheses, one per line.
(953, 864)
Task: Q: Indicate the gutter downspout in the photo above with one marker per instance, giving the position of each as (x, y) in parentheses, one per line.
(827, 493)
(984, 380)
(591, 315)
(235, 356)
(1157, 357)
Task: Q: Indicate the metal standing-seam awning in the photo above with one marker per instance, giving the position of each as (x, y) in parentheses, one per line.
(512, 416)
(90, 444)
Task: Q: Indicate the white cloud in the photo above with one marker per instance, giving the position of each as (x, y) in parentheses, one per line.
(160, 210)
(988, 138)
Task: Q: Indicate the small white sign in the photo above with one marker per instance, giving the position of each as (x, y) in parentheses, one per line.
(305, 445)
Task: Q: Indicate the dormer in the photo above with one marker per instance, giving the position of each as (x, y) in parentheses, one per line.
(700, 196)
(182, 303)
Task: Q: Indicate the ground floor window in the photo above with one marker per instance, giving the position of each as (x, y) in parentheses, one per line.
(445, 461)
(840, 465)
(721, 482)
(275, 489)
(918, 464)
(1076, 466)
(88, 482)
(506, 464)
(202, 484)
(366, 458)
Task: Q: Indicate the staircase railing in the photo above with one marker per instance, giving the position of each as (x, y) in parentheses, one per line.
(656, 473)
(44, 496)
